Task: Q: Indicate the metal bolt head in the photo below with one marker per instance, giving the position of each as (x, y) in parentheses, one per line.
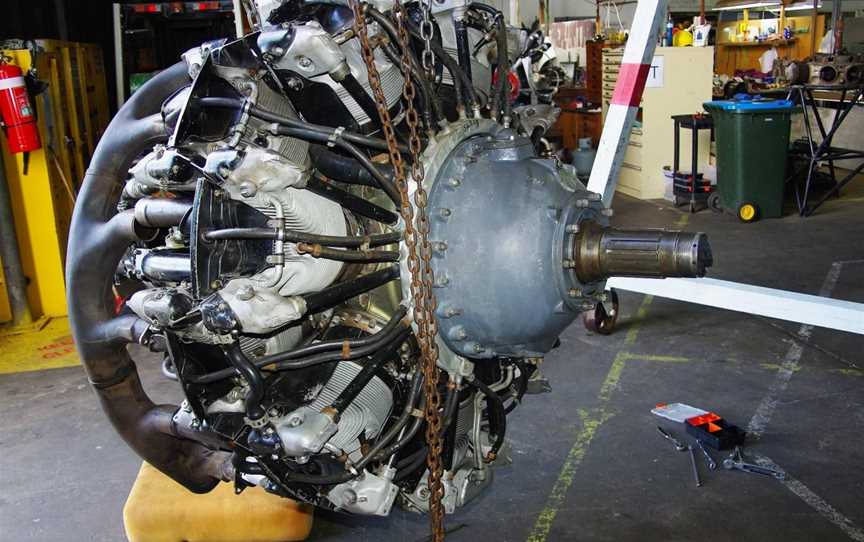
(454, 182)
(445, 212)
(247, 189)
(439, 246)
(478, 348)
(295, 421)
(450, 312)
(573, 292)
(349, 497)
(305, 63)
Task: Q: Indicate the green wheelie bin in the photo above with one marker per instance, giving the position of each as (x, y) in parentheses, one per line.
(752, 137)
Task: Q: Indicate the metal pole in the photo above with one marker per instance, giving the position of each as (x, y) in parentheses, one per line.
(514, 13)
(16, 282)
(837, 24)
(816, 35)
(118, 54)
(60, 12)
(238, 18)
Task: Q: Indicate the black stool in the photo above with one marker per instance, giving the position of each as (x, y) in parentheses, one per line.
(690, 187)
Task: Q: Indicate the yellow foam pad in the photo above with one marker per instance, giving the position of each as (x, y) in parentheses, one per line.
(159, 509)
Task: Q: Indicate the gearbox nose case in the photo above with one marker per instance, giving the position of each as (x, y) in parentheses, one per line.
(520, 246)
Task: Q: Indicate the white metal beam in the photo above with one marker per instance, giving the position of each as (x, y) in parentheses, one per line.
(784, 305)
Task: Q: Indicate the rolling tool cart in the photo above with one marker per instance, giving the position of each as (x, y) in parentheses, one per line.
(690, 187)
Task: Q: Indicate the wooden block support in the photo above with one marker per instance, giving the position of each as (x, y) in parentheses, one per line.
(160, 510)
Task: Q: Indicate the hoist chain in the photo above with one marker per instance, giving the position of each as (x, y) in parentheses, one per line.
(419, 249)
(427, 32)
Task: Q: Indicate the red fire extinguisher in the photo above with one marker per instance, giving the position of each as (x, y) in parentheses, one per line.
(16, 112)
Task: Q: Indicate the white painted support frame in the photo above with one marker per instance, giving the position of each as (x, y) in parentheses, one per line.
(792, 306)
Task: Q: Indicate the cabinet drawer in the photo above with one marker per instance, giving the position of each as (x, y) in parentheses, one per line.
(630, 179)
(633, 155)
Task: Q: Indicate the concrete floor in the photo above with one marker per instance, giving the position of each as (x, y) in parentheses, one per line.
(588, 463)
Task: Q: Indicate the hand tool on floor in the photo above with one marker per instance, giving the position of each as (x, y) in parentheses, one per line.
(695, 468)
(708, 459)
(736, 461)
(678, 445)
(730, 464)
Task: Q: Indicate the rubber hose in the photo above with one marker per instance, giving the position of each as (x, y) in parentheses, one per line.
(497, 418)
(345, 169)
(253, 378)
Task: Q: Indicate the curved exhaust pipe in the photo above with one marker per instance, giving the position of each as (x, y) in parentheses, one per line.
(98, 238)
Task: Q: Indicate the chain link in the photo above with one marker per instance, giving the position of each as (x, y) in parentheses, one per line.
(427, 32)
(416, 240)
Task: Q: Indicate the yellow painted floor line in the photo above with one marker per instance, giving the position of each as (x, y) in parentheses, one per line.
(48, 348)
(662, 359)
(591, 422)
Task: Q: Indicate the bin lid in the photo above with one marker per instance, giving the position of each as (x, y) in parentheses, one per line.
(749, 103)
